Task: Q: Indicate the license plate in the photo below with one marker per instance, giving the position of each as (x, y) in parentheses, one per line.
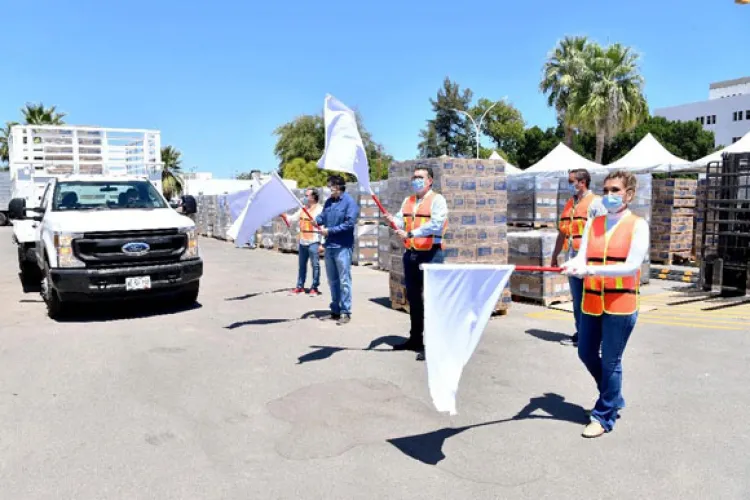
(138, 283)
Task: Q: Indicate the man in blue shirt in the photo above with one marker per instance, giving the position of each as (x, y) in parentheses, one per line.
(338, 221)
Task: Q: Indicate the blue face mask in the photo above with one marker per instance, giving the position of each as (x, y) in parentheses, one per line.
(417, 185)
(612, 202)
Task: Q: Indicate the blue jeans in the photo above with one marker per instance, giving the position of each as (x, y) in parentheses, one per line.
(339, 273)
(576, 292)
(309, 252)
(610, 333)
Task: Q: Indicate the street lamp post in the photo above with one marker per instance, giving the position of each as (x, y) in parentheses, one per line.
(481, 119)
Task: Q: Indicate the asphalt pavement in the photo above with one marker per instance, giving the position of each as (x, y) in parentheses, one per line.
(249, 395)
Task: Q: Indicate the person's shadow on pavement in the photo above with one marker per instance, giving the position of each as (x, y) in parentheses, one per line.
(322, 352)
(428, 447)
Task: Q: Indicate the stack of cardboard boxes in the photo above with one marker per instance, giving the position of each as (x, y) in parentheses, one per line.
(476, 195)
(212, 218)
(532, 200)
(535, 248)
(673, 219)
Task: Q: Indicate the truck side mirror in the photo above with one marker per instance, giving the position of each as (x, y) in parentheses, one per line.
(17, 209)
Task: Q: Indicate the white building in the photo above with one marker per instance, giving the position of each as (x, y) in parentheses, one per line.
(726, 112)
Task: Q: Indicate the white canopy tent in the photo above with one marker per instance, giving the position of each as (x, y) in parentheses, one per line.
(561, 160)
(741, 146)
(648, 154)
(509, 169)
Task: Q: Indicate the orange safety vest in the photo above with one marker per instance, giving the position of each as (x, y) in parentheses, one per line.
(416, 216)
(604, 294)
(573, 220)
(305, 227)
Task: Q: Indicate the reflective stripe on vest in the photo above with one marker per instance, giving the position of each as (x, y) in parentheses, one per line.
(415, 216)
(306, 227)
(573, 220)
(603, 294)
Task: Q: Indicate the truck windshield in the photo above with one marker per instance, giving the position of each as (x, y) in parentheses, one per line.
(105, 195)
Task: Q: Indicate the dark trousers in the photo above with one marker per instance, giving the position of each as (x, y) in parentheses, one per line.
(415, 285)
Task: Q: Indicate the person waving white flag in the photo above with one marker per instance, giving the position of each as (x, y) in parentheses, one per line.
(345, 151)
(272, 199)
(458, 302)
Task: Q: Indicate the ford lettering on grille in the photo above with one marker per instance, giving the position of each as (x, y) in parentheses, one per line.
(136, 248)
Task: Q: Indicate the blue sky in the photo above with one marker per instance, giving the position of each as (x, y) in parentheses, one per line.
(216, 78)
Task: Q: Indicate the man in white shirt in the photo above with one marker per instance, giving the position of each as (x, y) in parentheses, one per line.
(421, 221)
(310, 241)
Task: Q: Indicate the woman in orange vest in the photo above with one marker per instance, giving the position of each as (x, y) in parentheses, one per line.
(609, 260)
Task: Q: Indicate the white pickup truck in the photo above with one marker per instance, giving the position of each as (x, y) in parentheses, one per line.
(105, 237)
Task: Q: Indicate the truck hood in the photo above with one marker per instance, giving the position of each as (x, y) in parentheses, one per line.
(116, 220)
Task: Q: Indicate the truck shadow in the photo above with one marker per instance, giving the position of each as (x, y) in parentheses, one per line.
(80, 313)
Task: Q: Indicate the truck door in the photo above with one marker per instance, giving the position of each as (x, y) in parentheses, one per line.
(38, 241)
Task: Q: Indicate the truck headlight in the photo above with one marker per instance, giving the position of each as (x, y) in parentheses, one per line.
(64, 248)
(191, 252)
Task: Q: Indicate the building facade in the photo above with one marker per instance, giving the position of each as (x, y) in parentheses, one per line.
(726, 113)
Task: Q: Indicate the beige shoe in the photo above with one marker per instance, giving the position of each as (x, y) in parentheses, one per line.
(593, 430)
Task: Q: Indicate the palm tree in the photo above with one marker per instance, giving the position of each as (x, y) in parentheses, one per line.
(561, 74)
(609, 96)
(37, 114)
(171, 182)
(4, 138)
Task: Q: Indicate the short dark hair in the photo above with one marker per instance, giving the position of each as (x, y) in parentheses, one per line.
(582, 175)
(427, 169)
(338, 181)
(315, 194)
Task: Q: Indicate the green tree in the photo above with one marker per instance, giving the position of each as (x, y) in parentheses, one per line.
(37, 114)
(448, 133)
(304, 138)
(562, 73)
(608, 97)
(171, 182)
(534, 146)
(306, 173)
(4, 138)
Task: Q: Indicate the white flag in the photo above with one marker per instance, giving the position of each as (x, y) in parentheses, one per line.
(345, 151)
(270, 200)
(458, 302)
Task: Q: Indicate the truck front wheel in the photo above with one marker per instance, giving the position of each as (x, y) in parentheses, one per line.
(29, 270)
(55, 308)
(189, 297)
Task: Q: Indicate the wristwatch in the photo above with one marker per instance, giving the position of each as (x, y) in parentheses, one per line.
(409, 235)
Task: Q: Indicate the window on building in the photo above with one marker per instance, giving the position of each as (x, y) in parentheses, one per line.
(747, 114)
(713, 119)
(734, 116)
(735, 139)
(739, 115)
(702, 120)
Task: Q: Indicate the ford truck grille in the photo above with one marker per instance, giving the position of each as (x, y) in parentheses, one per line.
(105, 249)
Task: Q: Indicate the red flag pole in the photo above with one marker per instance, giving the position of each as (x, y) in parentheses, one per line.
(286, 221)
(539, 269)
(382, 208)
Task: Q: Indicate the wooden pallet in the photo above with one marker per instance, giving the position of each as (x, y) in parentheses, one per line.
(541, 301)
(674, 259)
(532, 225)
